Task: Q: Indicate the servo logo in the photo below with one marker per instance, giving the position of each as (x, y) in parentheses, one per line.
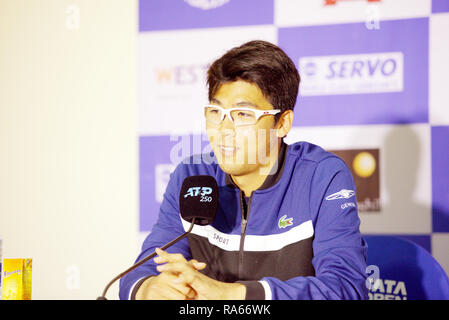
(352, 74)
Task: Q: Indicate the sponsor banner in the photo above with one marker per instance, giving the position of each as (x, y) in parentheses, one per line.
(440, 179)
(172, 82)
(364, 166)
(331, 75)
(158, 157)
(400, 155)
(353, 75)
(440, 6)
(188, 14)
(388, 289)
(438, 69)
(371, 13)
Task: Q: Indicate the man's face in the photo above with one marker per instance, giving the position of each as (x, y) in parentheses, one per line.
(243, 149)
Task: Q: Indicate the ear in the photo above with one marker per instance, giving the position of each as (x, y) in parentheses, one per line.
(284, 124)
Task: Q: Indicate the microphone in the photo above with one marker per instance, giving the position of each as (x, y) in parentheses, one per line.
(198, 204)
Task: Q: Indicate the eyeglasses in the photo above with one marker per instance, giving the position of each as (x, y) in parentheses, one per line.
(239, 116)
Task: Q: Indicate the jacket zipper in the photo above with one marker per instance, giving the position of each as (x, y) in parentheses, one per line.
(243, 230)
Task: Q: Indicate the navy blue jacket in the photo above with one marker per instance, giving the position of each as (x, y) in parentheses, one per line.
(296, 237)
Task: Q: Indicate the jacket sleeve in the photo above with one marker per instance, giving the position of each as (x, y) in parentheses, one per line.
(167, 228)
(339, 251)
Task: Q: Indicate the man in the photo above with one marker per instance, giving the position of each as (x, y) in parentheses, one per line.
(287, 225)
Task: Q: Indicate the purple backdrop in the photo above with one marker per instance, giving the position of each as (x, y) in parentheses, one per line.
(177, 14)
(440, 178)
(409, 36)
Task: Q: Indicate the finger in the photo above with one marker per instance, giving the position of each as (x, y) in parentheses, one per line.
(191, 295)
(184, 272)
(168, 257)
(159, 291)
(185, 289)
(196, 280)
(175, 267)
(161, 256)
(200, 297)
(169, 293)
(197, 265)
(167, 280)
(181, 286)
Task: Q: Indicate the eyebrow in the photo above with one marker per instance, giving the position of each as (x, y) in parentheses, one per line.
(213, 100)
(238, 104)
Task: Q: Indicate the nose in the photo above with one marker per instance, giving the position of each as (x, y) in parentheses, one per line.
(226, 124)
(226, 132)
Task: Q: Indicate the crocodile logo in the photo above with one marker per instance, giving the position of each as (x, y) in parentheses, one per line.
(284, 223)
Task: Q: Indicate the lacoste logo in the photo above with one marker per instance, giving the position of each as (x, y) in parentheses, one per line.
(284, 223)
(342, 194)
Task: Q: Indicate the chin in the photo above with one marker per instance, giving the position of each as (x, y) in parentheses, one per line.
(231, 169)
(235, 169)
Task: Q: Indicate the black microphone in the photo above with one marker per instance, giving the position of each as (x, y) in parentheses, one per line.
(198, 204)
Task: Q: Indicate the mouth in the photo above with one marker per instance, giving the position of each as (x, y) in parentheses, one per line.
(227, 150)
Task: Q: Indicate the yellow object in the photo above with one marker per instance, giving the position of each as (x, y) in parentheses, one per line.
(364, 164)
(17, 279)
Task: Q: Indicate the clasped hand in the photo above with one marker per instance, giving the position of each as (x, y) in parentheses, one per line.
(180, 279)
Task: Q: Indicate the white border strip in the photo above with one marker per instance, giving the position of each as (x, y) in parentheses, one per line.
(229, 242)
(266, 287)
(272, 242)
